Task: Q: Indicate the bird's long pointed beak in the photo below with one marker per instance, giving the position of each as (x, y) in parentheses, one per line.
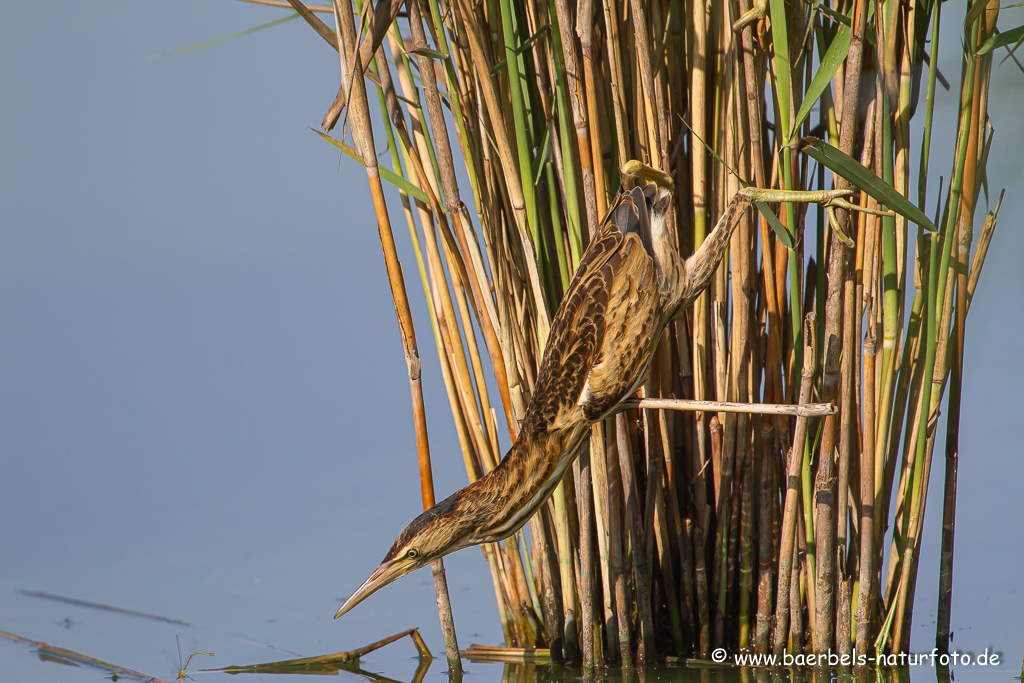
(381, 576)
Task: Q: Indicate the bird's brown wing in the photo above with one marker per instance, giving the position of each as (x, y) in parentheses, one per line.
(632, 327)
(609, 318)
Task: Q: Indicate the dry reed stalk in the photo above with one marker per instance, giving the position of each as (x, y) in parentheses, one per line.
(723, 452)
(634, 528)
(615, 74)
(657, 533)
(484, 445)
(715, 432)
(565, 550)
(450, 190)
(844, 619)
(804, 543)
(740, 357)
(587, 613)
(749, 86)
(909, 577)
(765, 542)
(518, 588)
(675, 472)
(887, 450)
(953, 420)
(795, 609)
(805, 410)
(866, 590)
(511, 176)
(651, 491)
(585, 31)
(792, 497)
(623, 598)
(579, 111)
(866, 297)
(468, 244)
(485, 451)
(847, 434)
(472, 468)
(725, 536)
(746, 547)
(599, 469)
(668, 469)
(549, 600)
(695, 531)
(942, 628)
(697, 66)
(838, 277)
(853, 297)
(657, 144)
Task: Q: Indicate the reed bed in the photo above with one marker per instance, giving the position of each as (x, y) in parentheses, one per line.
(680, 531)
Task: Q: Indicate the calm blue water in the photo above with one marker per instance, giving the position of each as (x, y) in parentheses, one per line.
(204, 413)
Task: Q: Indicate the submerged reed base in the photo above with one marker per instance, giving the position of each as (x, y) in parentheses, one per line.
(681, 532)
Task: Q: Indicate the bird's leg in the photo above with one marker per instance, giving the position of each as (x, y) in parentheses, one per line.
(827, 198)
(752, 15)
(830, 199)
(840, 233)
(702, 263)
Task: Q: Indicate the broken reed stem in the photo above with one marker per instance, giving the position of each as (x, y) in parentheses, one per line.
(792, 496)
(73, 658)
(801, 410)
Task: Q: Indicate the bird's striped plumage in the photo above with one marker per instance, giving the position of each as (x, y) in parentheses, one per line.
(629, 284)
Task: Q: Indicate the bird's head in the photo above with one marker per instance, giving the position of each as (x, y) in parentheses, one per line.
(441, 530)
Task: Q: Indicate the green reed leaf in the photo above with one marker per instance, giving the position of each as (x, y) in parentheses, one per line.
(386, 173)
(851, 169)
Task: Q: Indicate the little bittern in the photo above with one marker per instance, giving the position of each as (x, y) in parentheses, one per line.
(629, 284)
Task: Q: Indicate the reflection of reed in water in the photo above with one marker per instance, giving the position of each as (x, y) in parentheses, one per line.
(348, 660)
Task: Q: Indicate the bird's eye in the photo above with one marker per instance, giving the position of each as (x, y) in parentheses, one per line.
(412, 553)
